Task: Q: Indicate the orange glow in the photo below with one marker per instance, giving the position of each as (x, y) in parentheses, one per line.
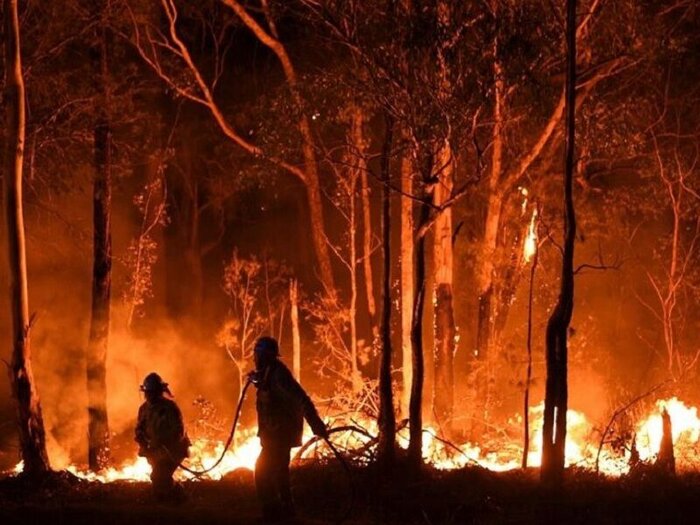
(581, 447)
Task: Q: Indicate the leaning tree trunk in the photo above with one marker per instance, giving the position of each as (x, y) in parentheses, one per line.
(32, 437)
(387, 419)
(98, 428)
(556, 390)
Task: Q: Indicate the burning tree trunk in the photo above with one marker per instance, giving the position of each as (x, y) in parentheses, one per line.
(407, 284)
(387, 420)
(98, 428)
(30, 422)
(556, 391)
(445, 330)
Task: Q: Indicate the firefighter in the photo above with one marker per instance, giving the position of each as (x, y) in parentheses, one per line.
(160, 434)
(282, 405)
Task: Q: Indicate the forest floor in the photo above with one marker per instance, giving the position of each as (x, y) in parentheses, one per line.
(323, 495)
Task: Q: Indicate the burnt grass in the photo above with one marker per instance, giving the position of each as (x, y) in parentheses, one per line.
(323, 495)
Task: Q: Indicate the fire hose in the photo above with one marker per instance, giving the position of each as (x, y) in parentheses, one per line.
(229, 440)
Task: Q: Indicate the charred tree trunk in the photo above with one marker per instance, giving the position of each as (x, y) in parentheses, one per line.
(407, 282)
(415, 445)
(30, 422)
(556, 390)
(387, 419)
(666, 459)
(98, 428)
(445, 329)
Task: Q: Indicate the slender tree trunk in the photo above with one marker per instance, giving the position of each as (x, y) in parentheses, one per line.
(415, 445)
(528, 372)
(30, 422)
(407, 282)
(445, 329)
(310, 176)
(387, 419)
(98, 427)
(360, 162)
(296, 337)
(352, 217)
(556, 390)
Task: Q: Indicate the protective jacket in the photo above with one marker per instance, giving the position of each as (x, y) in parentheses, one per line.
(160, 430)
(282, 406)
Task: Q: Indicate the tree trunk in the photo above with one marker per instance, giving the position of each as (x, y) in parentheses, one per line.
(415, 445)
(479, 360)
(407, 284)
(445, 329)
(387, 420)
(98, 428)
(32, 437)
(556, 390)
(528, 372)
(666, 460)
(296, 337)
(352, 265)
(360, 162)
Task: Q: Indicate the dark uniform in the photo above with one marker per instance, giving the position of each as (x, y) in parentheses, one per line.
(161, 436)
(282, 405)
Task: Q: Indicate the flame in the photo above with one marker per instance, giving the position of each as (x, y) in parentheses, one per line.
(530, 243)
(581, 447)
(685, 431)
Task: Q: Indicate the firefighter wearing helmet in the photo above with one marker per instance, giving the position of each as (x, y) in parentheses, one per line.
(160, 434)
(282, 405)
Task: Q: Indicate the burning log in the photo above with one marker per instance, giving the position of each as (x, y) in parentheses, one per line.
(666, 460)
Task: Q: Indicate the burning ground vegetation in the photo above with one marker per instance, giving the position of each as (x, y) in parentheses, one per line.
(607, 450)
(461, 483)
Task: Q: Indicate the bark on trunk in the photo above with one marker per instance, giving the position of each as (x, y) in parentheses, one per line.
(387, 419)
(30, 422)
(296, 337)
(360, 163)
(407, 284)
(445, 329)
(415, 444)
(556, 390)
(98, 427)
(352, 265)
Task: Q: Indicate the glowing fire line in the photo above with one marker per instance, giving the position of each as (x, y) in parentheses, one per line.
(581, 447)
